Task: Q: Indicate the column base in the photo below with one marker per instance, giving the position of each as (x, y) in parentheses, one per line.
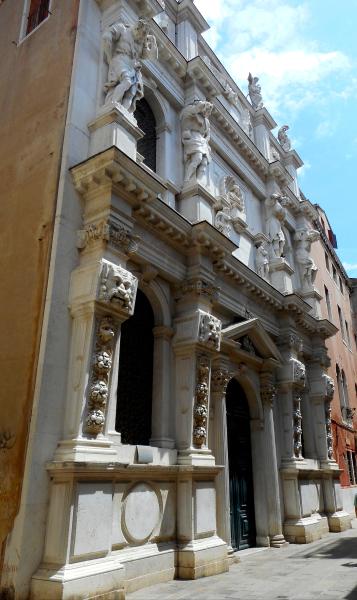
(304, 530)
(85, 449)
(202, 558)
(102, 580)
(196, 458)
(278, 541)
(339, 521)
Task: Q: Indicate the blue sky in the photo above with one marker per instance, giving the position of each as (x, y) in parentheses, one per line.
(305, 54)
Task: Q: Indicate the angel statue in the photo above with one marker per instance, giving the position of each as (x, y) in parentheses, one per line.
(124, 45)
(196, 135)
(308, 270)
(284, 139)
(255, 92)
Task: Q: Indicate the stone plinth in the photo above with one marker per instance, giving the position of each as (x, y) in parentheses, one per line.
(196, 203)
(280, 273)
(114, 127)
(312, 297)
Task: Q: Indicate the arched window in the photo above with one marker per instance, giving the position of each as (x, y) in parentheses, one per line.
(133, 415)
(146, 121)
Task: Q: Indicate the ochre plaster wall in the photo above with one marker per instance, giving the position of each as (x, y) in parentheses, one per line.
(34, 87)
(340, 352)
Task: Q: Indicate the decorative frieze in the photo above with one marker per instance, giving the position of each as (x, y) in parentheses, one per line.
(197, 288)
(210, 330)
(101, 368)
(118, 287)
(118, 237)
(200, 412)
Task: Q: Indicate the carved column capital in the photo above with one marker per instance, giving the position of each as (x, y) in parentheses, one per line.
(219, 380)
(267, 388)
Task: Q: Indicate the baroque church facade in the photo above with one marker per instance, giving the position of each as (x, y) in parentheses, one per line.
(183, 405)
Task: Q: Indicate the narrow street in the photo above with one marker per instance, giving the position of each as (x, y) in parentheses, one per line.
(326, 570)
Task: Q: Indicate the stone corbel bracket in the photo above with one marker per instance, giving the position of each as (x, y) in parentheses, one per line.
(199, 329)
(114, 171)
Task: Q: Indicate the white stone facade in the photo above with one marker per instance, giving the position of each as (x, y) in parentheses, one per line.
(218, 241)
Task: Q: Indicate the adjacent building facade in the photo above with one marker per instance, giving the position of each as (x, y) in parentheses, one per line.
(337, 305)
(181, 396)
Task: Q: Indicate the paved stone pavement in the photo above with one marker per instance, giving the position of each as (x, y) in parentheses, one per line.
(323, 570)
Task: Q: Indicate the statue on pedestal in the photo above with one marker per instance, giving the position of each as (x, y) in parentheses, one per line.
(255, 92)
(124, 45)
(284, 139)
(276, 216)
(196, 137)
(308, 270)
(262, 261)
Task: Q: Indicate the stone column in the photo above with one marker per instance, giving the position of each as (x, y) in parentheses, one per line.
(102, 296)
(161, 390)
(196, 341)
(219, 380)
(268, 394)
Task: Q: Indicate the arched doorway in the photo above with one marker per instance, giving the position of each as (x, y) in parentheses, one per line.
(241, 495)
(134, 405)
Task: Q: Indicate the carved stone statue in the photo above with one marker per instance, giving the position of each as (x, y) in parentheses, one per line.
(254, 92)
(262, 261)
(308, 270)
(284, 139)
(195, 138)
(276, 216)
(124, 45)
(230, 206)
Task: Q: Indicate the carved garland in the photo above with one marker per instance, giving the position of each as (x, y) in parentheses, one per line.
(297, 418)
(200, 412)
(330, 389)
(102, 364)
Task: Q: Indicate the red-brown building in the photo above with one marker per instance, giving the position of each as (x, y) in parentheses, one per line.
(339, 305)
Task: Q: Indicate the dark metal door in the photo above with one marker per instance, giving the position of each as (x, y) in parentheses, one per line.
(240, 468)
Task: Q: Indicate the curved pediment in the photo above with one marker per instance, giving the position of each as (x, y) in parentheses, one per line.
(250, 336)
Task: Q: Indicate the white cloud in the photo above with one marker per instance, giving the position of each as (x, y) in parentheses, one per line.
(268, 39)
(326, 128)
(302, 170)
(351, 268)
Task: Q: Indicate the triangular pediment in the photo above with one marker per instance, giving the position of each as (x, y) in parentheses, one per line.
(252, 336)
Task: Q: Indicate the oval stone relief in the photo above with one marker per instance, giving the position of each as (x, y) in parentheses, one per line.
(141, 513)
